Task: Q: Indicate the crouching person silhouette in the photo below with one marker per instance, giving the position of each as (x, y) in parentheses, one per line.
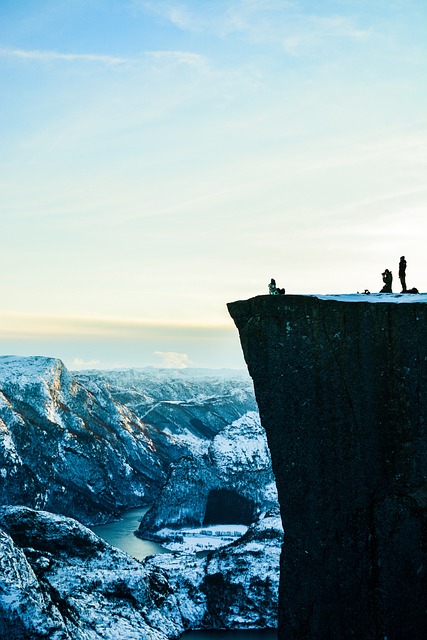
(388, 280)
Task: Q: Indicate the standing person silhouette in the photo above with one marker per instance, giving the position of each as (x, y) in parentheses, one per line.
(402, 273)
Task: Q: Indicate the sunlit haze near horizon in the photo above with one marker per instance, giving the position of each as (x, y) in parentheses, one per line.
(160, 159)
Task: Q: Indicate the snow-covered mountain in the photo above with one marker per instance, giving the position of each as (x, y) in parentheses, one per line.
(232, 482)
(91, 444)
(58, 580)
(68, 448)
(233, 587)
(192, 404)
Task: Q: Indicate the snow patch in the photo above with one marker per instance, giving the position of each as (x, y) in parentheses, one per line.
(201, 539)
(398, 298)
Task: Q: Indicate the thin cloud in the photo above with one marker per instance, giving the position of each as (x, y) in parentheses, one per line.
(181, 18)
(275, 22)
(387, 197)
(340, 27)
(179, 57)
(80, 363)
(52, 56)
(309, 34)
(27, 326)
(173, 359)
(177, 14)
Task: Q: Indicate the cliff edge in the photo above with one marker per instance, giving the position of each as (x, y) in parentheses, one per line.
(341, 385)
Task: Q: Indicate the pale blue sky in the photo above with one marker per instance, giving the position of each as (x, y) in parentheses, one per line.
(159, 159)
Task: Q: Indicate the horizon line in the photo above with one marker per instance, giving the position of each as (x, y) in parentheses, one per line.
(32, 324)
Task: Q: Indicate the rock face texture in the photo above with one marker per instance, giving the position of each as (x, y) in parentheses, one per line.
(341, 388)
(90, 445)
(71, 449)
(232, 588)
(232, 482)
(59, 581)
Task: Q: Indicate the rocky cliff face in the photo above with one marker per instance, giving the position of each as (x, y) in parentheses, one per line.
(341, 388)
(232, 482)
(234, 587)
(69, 444)
(59, 581)
(192, 405)
(69, 448)
(90, 445)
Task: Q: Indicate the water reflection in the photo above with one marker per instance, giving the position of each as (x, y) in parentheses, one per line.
(120, 534)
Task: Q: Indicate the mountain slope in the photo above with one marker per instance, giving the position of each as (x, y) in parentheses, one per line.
(59, 581)
(70, 449)
(70, 444)
(232, 482)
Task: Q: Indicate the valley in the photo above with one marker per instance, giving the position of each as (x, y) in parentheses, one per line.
(170, 467)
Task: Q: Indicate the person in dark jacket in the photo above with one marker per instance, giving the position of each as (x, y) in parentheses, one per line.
(273, 289)
(388, 280)
(402, 273)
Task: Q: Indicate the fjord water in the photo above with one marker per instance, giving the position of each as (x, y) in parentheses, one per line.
(120, 534)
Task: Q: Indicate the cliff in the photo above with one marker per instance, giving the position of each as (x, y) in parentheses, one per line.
(341, 388)
(59, 581)
(71, 448)
(232, 482)
(92, 444)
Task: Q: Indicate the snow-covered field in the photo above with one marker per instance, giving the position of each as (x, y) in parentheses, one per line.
(202, 538)
(400, 298)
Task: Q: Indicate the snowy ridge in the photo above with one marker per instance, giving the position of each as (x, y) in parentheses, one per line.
(235, 587)
(90, 446)
(190, 405)
(69, 584)
(182, 385)
(233, 479)
(241, 445)
(59, 580)
(398, 298)
(70, 448)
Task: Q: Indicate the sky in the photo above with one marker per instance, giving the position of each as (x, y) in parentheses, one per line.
(161, 158)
